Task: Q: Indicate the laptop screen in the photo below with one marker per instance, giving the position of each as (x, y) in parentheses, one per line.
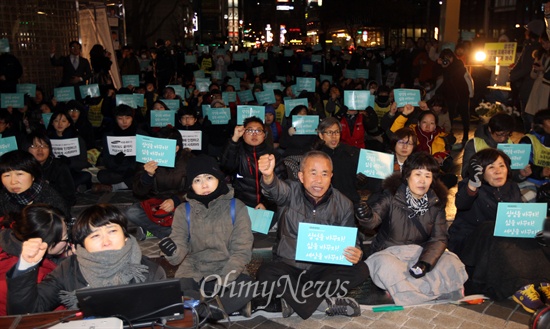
(140, 303)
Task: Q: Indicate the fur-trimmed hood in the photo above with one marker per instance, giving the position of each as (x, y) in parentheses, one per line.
(392, 183)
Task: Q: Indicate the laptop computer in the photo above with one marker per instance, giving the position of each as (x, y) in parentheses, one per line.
(140, 303)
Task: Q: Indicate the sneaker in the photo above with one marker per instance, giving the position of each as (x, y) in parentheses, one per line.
(140, 234)
(343, 306)
(286, 309)
(528, 298)
(544, 289)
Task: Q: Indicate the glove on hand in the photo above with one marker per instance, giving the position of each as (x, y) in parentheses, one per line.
(167, 246)
(475, 173)
(363, 211)
(419, 269)
(362, 180)
(119, 157)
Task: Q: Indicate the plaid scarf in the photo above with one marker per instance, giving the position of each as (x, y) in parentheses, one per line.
(28, 196)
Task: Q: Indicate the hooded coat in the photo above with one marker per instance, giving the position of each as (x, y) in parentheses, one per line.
(391, 215)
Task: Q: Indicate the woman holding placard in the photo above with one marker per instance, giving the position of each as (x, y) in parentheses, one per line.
(408, 253)
(497, 266)
(70, 146)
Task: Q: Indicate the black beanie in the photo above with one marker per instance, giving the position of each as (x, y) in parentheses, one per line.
(203, 164)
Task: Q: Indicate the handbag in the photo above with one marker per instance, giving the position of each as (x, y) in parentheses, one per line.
(155, 214)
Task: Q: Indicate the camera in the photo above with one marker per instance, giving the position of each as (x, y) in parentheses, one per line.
(445, 61)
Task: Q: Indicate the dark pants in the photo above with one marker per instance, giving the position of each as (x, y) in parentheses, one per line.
(110, 177)
(304, 290)
(461, 108)
(231, 301)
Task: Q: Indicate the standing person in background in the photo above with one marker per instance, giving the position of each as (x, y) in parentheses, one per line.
(10, 72)
(457, 89)
(539, 96)
(101, 65)
(520, 79)
(129, 63)
(76, 69)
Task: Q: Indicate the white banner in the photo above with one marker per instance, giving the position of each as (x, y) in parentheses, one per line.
(192, 139)
(66, 147)
(124, 144)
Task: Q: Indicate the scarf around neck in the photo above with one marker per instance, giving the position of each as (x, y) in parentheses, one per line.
(108, 268)
(28, 196)
(418, 206)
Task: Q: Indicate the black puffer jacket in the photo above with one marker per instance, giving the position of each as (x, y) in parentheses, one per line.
(26, 296)
(391, 213)
(240, 160)
(473, 208)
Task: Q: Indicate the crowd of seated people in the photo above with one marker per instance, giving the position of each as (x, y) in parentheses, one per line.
(262, 155)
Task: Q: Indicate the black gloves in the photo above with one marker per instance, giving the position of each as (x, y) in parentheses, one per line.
(475, 173)
(167, 246)
(119, 157)
(362, 180)
(363, 211)
(419, 269)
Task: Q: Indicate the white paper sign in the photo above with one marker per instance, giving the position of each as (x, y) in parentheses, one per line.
(192, 139)
(124, 144)
(66, 147)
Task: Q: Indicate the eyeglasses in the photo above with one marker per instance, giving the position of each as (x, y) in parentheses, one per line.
(332, 132)
(502, 134)
(40, 146)
(74, 110)
(404, 143)
(254, 131)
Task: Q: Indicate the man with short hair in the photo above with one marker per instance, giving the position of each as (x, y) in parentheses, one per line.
(309, 286)
(76, 69)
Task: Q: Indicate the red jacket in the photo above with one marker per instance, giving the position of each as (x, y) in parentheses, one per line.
(354, 136)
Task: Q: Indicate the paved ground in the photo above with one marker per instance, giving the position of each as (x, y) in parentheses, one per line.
(506, 314)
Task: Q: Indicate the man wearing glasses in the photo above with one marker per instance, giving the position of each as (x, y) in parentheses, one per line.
(240, 161)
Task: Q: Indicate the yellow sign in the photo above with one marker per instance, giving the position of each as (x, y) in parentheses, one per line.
(505, 51)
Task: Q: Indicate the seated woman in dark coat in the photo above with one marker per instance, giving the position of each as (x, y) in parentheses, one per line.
(106, 255)
(23, 184)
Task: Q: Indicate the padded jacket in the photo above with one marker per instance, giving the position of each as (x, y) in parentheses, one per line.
(391, 214)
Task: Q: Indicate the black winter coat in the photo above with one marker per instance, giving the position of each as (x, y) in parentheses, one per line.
(391, 214)
(26, 296)
(474, 208)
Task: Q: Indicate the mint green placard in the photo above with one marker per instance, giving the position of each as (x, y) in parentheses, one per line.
(161, 150)
(316, 58)
(46, 117)
(172, 104)
(307, 84)
(130, 80)
(199, 74)
(229, 97)
(272, 86)
(350, 74)
(216, 75)
(357, 99)
(257, 70)
(318, 243)
(190, 59)
(307, 68)
(64, 94)
(263, 56)
(139, 99)
(235, 82)
(26, 88)
(7, 144)
(89, 90)
(202, 84)
(219, 116)
(362, 73)
(4, 45)
(290, 104)
(406, 96)
(16, 100)
(162, 118)
(265, 97)
(260, 219)
(245, 96)
(518, 153)
(324, 77)
(247, 111)
(375, 164)
(305, 124)
(519, 220)
(126, 99)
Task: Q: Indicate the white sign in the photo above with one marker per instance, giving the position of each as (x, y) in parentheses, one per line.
(192, 139)
(66, 147)
(124, 144)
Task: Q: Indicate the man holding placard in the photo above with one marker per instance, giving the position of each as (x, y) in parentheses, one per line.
(312, 201)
